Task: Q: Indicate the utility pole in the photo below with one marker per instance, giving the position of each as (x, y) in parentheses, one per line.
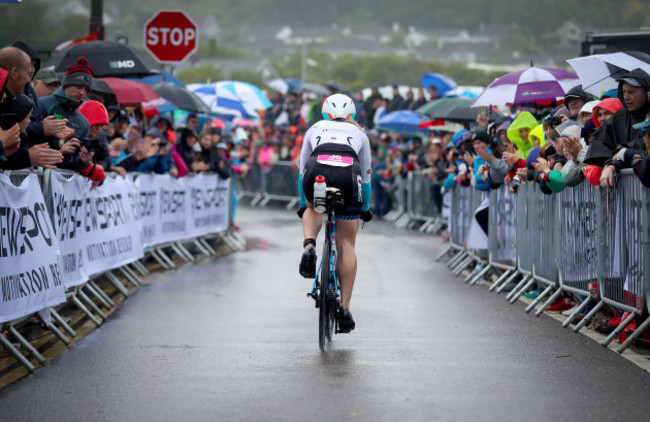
(97, 17)
(303, 67)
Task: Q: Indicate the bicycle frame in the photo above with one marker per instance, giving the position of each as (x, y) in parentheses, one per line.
(330, 235)
(325, 290)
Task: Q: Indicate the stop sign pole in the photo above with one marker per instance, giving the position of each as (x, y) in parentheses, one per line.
(171, 36)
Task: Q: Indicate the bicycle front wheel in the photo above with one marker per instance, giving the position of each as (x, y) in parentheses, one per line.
(324, 320)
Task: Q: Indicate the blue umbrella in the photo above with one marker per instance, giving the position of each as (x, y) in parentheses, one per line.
(293, 84)
(163, 77)
(442, 82)
(403, 121)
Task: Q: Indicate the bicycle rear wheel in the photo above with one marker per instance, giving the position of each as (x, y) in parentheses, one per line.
(324, 315)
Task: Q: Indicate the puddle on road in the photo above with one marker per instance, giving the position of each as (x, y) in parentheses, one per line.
(258, 244)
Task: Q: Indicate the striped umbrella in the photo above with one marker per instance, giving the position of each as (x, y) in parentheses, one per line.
(248, 94)
(528, 86)
(222, 101)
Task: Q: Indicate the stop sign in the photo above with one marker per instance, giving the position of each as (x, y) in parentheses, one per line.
(171, 36)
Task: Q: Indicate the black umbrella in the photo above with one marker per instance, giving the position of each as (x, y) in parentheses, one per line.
(181, 97)
(337, 87)
(462, 114)
(102, 89)
(107, 58)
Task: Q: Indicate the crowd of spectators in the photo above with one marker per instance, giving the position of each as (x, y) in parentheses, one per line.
(53, 122)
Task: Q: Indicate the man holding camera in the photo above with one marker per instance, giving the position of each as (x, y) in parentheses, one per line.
(64, 105)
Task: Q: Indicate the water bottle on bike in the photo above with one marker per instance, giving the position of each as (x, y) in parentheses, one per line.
(320, 190)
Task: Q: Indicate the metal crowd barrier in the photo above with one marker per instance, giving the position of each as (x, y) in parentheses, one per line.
(280, 182)
(621, 253)
(459, 220)
(89, 298)
(468, 201)
(420, 206)
(502, 235)
(250, 185)
(274, 181)
(591, 242)
(578, 260)
(543, 210)
(646, 266)
(399, 196)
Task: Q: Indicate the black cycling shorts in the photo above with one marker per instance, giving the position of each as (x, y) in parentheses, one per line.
(339, 164)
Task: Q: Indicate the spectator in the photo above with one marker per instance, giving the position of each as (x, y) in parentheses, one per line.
(45, 82)
(641, 161)
(65, 101)
(519, 130)
(604, 109)
(481, 144)
(369, 107)
(19, 67)
(192, 122)
(35, 129)
(185, 145)
(210, 158)
(16, 112)
(575, 99)
(409, 102)
(380, 110)
(433, 93)
(421, 100)
(97, 117)
(586, 112)
(396, 102)
(618, 132)
(434, 168)
(148, 156)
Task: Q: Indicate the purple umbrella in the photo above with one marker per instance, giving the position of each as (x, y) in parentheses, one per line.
(528, 86)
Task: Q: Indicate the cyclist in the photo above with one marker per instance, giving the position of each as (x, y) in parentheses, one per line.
(338, 149)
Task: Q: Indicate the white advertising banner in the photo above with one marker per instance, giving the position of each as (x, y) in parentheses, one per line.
(112, 232)
(173, 210)
(208, 195)
(68, 219)
(30, 274)
(146, 201)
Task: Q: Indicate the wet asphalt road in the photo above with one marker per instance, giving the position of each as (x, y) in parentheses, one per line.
(236, 339)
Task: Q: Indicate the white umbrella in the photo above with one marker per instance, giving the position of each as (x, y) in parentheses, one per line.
(598, 73)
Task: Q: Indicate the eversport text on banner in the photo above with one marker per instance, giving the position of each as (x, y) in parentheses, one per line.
(30, 274)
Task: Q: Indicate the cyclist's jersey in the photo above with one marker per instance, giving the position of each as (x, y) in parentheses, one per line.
(333, 132)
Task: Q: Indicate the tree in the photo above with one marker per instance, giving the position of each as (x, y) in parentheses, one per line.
(635, 14)
(202, 74)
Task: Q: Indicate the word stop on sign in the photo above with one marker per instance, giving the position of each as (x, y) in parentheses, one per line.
(166, 36)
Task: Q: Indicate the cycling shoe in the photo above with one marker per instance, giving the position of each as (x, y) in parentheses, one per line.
(346, 323)
(307, 266)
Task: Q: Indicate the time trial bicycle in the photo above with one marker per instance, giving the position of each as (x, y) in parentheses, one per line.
(326, 289)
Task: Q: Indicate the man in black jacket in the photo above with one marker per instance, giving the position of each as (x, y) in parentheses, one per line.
(608, 144)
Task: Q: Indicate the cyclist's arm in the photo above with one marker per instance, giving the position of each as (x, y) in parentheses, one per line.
(305, 155)
(365, 162)
(306, 150)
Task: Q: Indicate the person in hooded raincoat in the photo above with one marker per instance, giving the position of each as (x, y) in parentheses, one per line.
(609, 142)
(519, 130)
(604, 109)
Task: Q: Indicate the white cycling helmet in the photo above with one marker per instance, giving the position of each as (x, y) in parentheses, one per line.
(338, 106)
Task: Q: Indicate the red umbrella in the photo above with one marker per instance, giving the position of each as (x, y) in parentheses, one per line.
(130, 92)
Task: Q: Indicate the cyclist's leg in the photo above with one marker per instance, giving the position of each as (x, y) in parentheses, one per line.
(346, 235)
(311, 223)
